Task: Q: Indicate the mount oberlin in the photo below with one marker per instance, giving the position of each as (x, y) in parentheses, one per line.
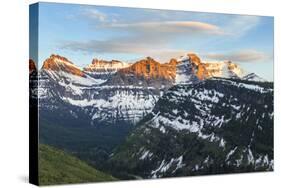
(147, 118)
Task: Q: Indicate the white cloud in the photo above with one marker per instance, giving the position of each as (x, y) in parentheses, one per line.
(248, 55)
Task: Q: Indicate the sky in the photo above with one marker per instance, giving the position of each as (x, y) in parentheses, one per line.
(84, 32)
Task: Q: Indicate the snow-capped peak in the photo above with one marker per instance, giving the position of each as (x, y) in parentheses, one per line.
(59, 63)
(183, 58)
(225, 69)
(208, 69)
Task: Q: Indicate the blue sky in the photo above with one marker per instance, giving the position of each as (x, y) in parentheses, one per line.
(81, 33)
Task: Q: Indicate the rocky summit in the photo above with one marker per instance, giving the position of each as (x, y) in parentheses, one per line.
(59, 63)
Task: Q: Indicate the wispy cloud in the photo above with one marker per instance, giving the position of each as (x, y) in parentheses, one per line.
(240, 25)
(248, 55)
(237, 25)
(98, 46)
(162, 54)
(94, 14)
(173, 27)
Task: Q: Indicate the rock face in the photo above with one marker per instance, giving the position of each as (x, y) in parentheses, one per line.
(198, 67)
(103, 70)
(211, 127)
(59, 63)
(102, 65)
(186, 71)
(150, 69)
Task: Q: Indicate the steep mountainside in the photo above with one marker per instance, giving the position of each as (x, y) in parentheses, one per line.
(214, 126)
(106, 103)
(185, 71)
(58, 167)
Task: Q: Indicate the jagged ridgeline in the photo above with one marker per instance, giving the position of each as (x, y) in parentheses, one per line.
(149, 119)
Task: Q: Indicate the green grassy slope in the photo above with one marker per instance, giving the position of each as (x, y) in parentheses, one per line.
(58, 167)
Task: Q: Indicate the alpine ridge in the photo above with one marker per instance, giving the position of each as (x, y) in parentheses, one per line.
(125, 84)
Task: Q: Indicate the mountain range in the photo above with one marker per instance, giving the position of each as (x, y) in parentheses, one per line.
(150, 119)
(104, 85)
